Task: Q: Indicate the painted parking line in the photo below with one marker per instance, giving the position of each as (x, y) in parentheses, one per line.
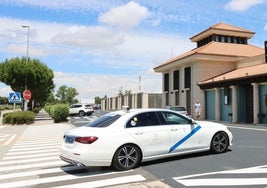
(6, 139)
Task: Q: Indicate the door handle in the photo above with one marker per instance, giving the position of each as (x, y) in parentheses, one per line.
(139, 133)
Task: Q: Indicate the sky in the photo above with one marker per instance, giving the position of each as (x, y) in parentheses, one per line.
(100, 47)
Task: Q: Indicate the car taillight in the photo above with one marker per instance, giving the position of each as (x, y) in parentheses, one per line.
(86, 140)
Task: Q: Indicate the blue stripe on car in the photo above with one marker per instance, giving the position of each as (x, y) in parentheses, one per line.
(184, 138)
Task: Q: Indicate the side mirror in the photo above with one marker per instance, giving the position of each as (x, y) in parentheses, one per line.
(191, 121)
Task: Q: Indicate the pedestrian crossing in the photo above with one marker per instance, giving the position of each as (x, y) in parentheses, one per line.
(33, 161)
(5, 139)
(230, 178)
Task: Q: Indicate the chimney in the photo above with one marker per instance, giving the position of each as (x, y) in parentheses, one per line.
(265, 44)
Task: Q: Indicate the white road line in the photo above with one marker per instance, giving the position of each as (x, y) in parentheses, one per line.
(33, 152)
(29, 156)
(108, 182)
(10, 139)
(224, 182)
(23, 167)
(36, 139)
(47, 142)
(191, 180)
(39, 172)
(52, 179)
(222, 172)
(248, 128)
(18, 162)
(33, 148)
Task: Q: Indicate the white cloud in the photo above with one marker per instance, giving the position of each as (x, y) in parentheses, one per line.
(126, 16)
(242, 5)
(91, 37)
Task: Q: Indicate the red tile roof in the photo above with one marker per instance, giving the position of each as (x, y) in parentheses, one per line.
(256, 70)
(223, 29)
(220, 48)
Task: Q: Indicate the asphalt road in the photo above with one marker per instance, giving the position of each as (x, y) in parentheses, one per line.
(249, 151)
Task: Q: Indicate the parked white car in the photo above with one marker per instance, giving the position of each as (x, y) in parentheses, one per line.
(180, 109)
(81, 109)
(126, 138)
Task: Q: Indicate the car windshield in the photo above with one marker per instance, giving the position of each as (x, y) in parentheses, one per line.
(104, 121)
(178, 108)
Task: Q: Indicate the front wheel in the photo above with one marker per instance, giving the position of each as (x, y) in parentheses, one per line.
(219, 143)
(81, 113)
(127, 157)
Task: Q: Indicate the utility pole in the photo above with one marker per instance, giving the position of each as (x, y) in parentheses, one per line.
(27, 60)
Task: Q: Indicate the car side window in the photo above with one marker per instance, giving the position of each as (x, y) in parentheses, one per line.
(143, 120)
(170, 118)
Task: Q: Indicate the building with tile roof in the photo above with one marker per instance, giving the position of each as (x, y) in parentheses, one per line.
(225, 72)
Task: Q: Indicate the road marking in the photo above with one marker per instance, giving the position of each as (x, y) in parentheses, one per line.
(224, 182)
(191, 180)
(248, 128)
(34, 161)
(7, 139)
(33, 152)
(108, 182)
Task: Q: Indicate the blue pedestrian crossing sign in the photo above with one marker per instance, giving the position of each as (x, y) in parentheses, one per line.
(14, 97)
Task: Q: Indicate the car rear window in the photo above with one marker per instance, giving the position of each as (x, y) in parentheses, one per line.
(104, 121)
(178, 108)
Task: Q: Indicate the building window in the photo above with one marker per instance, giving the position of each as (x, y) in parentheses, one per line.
(176, 80)
(167, 99)
(223, 39)
(187, 77)
(177, 98)
(166, 82)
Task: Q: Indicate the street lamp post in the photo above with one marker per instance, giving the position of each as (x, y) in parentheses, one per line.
(27, 59)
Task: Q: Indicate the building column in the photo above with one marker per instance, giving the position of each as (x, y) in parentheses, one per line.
(234, 104)
(203, 104)
(255, 103)
(217, 105)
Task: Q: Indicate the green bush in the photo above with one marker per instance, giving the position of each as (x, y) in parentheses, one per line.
(60, 112)
(47, 108)
(20, 117)
(36, 110)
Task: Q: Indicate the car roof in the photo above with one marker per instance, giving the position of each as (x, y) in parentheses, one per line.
(137, 110)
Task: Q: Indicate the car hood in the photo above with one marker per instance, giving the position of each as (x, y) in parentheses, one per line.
(209, 124)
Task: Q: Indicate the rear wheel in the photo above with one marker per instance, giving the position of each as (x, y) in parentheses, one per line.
(219, 142)
(81, 113)
(127, 157)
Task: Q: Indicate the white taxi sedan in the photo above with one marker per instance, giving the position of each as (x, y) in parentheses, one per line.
(126, 138)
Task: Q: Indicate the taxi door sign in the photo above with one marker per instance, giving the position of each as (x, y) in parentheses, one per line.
(14, 97)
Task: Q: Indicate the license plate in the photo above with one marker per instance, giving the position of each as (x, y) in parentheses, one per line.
(69, 139)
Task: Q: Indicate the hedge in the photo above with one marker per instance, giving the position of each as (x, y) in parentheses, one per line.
(20, 117)
(59, 112)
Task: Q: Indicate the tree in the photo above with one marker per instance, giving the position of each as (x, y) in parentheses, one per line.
(97, 100)
(3, 100)
(128, 92)
(18, 73)
(67, 94)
